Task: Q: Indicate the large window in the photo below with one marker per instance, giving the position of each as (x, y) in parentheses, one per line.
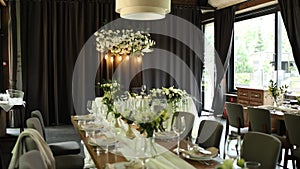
(262, 52)
(254, 48)
(288, 72)
(208, 74)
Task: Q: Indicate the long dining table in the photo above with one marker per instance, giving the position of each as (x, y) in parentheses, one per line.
(101, 158)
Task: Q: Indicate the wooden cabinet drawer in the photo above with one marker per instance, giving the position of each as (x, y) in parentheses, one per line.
(243, 94)
(254, 103)
(256, 96)
(253, 97)
(243, 102)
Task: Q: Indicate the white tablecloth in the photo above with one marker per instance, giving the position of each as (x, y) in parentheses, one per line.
(7, 105)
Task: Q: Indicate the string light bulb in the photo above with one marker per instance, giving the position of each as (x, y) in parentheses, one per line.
(112, 59)
(139, 59)
(106, 57)
(120, 58)
(127, 57)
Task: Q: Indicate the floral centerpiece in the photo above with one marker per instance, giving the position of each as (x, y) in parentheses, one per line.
(173, 95)
(147, 113)
(275, 91)
(110, 90)
(125, 42)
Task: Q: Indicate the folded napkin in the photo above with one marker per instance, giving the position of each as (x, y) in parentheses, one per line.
(196, 153)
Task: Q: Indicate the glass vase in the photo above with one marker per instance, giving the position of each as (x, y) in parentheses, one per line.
(129, 132)
(117, 123)
(145, 147)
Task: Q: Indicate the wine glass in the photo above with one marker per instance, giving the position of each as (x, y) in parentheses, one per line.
(143, 88)
(89, 106)
(178, 127)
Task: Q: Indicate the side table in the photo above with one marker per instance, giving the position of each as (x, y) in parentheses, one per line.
(7, 144)
(3, 118)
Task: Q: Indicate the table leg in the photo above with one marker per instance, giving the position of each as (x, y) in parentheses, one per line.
(2, 123)
(22, 115)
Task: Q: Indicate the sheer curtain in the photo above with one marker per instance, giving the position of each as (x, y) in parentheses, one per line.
(224, 20)
(290, 11)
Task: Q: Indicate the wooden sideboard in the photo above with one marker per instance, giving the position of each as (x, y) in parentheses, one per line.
(253, 97)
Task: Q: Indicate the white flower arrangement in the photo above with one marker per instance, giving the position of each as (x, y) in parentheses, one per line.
(172, 94)
(125, 42)
(110, 89)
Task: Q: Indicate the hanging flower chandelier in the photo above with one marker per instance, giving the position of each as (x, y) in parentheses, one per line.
(124, 42)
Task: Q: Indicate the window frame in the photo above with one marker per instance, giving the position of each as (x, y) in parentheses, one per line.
(274, 9)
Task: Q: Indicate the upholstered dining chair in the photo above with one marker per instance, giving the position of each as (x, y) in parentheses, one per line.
(260, 121)
(60, 148)
(68, 161)
(262, 148)
(189, 122)
(292, 123)
(235, 117)
(209, 134)
(31, 160)
(38, 114)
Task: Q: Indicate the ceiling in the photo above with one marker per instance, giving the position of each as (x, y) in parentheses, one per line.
(244, 5)
(224, 3)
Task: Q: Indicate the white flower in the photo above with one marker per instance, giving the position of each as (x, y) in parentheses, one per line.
(123, 42)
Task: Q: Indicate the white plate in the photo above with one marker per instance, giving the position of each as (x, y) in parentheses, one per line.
(91, 127)
(165, 135)
(199, 156)
(102, 142)
(205, 158)
(84, 117)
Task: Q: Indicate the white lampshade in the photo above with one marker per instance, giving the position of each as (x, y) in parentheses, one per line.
(143, 9)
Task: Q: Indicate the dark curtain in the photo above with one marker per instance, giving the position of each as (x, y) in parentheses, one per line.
(223, 28)
(180, 76)
(168, 54)
(290, 11)
(52, 35)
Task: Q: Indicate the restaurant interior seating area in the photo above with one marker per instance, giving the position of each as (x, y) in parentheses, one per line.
(140, 84)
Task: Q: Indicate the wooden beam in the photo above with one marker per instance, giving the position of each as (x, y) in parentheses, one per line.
(253, 3)
(186, 2)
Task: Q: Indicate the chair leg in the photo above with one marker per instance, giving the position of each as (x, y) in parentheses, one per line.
(297, 163)
(286, 156)
(226, 133)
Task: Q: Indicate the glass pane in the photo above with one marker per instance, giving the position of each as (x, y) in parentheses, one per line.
(288, 73)
(208, 74)
(254, 51)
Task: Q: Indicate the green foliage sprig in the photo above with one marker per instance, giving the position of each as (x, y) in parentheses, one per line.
(275, 91)
(110, 89)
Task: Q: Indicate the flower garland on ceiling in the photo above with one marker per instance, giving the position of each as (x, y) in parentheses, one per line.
(124, 42)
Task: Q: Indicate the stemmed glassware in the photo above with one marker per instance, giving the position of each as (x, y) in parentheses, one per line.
(178, 127)
(143, 89)
(89, 106)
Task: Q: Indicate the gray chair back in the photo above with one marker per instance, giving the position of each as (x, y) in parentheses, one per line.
(261, 147)
(292, 123)
(235, 114)
(189, 122)
(35, 123)
(38, 114)
(209, 134)
(259, 120)
(31, 160)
